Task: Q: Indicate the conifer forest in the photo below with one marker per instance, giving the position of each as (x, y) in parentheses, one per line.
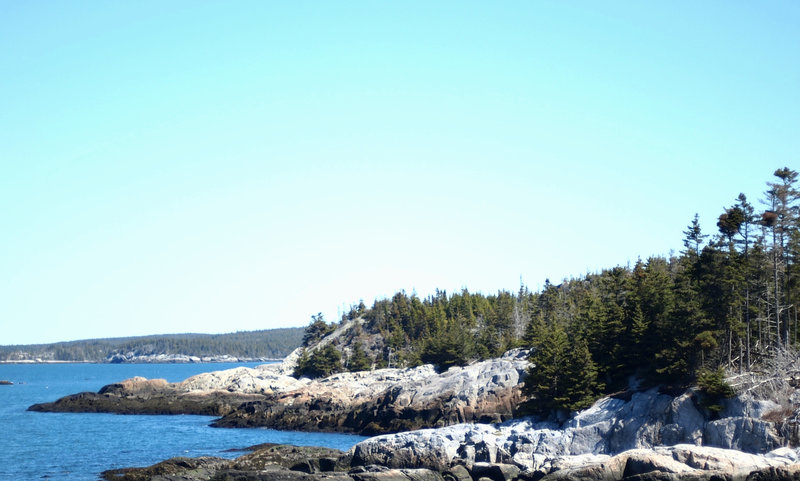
(727, 302)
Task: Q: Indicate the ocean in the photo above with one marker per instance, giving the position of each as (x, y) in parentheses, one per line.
(67, 446)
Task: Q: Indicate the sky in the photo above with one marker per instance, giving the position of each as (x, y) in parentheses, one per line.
(220, 166)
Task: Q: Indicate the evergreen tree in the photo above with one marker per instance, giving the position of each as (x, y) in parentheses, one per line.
(694, 236)
(782, 219)
(316, 330)
(452, 346)
(321, 362)
(562, 376)
(359, 361)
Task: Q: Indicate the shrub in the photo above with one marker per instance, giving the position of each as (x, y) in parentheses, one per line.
(778, 415)
(359, 361)
(713, 389)
(451, 347)
(319, 363)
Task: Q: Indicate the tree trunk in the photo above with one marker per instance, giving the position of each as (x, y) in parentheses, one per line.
(777, 292)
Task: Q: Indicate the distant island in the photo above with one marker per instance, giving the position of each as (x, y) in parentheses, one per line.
(232, 347)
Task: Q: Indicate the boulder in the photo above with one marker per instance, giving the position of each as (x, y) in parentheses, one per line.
(201, 468)
(495, 471)
(396, 475)
(457, 473)
(780, 473)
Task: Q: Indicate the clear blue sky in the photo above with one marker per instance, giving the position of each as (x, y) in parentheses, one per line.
(221, 166)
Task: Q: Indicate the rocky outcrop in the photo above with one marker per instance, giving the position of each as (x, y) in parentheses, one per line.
(291, 463)
(266, 461)
(270, 463)
(392, 400)
(150, 396)
(380, 401)
(680, 462)
(645, 420)
(481, 448)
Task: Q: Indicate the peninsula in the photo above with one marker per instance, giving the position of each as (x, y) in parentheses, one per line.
(684, 367)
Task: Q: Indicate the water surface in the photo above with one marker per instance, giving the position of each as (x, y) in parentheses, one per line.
(69, 446)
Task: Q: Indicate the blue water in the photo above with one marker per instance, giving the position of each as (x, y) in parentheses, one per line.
(66, 446)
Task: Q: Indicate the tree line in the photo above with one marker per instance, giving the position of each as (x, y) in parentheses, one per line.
(269, 343)
(728, 300)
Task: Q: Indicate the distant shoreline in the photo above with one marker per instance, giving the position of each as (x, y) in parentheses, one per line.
(204, 361)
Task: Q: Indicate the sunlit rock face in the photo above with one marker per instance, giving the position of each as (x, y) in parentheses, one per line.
(391, 400)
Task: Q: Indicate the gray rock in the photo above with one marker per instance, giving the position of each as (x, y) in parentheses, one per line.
(371, 402)
(742, 433)
(495, 472)
(457, 473)
(397, 475)
(649, 420)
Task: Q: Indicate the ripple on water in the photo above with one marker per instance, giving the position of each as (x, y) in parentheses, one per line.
(71, 446)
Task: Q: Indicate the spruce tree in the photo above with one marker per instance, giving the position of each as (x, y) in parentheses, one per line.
(562, 376)
(359, 361)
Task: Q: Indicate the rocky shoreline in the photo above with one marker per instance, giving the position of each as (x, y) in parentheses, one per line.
(369, 402)
(291, 463)
(462, 425)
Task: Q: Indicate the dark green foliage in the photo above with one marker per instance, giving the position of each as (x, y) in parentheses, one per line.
(359, 361)
(316, 330)
(450, 347)
(694, 236)
(726, 300)
(563, 376)
(442, 329)
(321, 362)
(713, 388)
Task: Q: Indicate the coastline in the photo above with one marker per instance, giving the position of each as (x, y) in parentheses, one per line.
(284, 462)
(466, 417)
(192, 360)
